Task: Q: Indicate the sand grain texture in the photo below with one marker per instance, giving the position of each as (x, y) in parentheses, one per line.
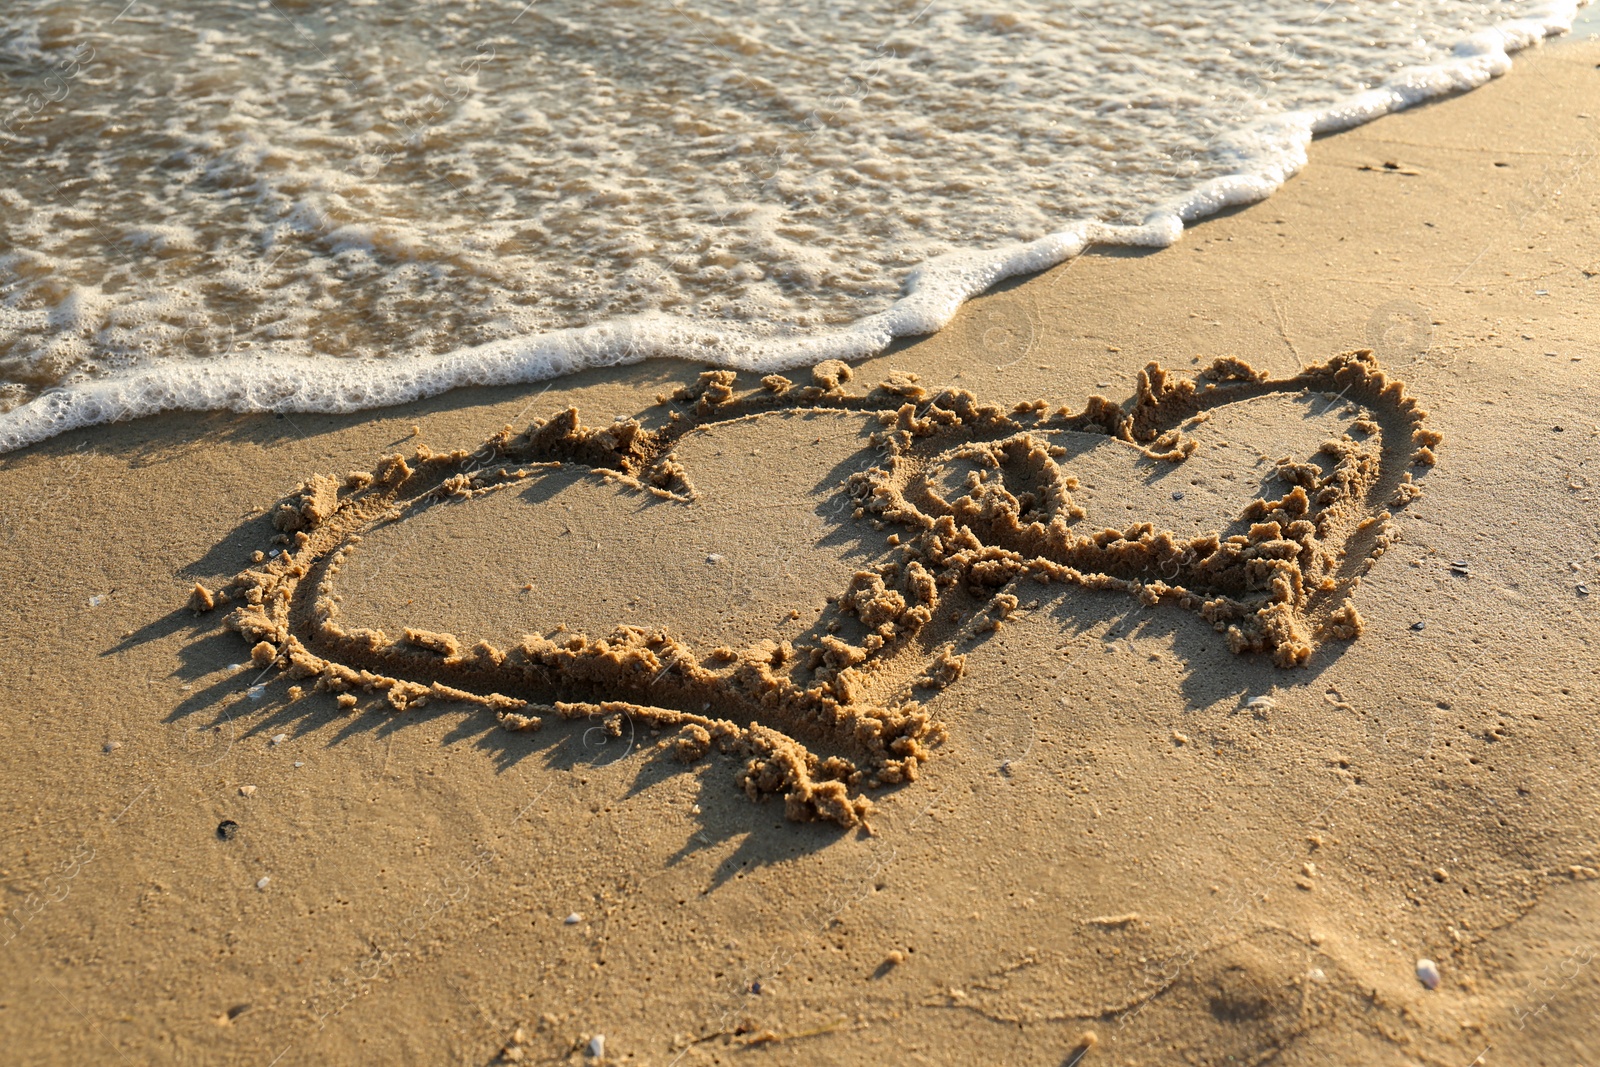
(1133, 843)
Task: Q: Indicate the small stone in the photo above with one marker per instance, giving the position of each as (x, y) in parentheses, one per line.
(1441, 875)
(1419, 625)
(278, 739)
(573, 920)
(299, 763)
(247, 790)
(597, 1046)
(111, 746)
(1177, 496)
(714, 558)
(262, 882)
(1428, 973)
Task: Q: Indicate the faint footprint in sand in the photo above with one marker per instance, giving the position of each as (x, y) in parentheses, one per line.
(905, 528)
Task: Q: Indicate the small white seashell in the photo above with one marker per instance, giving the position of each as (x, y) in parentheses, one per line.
(1428, 973)
(96, 601)
(111, 746)
(574, 919)
(262, 884)
(247, 790)
(715, 557)
(597, 1045)
(1264, 703)
(278, 739)
(256, 692)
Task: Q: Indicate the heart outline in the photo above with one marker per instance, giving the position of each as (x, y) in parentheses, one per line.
(1277, 589)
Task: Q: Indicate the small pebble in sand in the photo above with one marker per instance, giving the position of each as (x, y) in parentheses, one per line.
(1080, 1048)
(299, 763)
(247, 790)
(714, 558)
(111, 746)
(597, 1046)
(262, 882)
(278, 739)
(1420, 624)
(1177, 496)
(573, 920)
(96, 601)
(1428, 973)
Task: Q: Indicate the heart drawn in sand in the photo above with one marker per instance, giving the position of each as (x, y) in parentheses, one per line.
(979, 501)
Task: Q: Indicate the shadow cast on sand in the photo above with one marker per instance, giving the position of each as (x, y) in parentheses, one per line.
(956, 509)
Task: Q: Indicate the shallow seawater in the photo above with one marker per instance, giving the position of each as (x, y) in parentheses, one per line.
(329, 205)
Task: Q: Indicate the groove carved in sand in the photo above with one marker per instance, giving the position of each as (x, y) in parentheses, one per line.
(819, 723)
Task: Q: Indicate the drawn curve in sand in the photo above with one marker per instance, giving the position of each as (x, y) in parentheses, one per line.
(822, 722)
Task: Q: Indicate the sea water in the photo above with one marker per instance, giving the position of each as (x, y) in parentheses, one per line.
(328, 205)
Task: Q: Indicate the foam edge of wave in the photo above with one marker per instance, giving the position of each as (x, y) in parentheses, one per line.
(1270, 152)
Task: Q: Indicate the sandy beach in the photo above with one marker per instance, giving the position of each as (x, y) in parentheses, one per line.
(1083, 820)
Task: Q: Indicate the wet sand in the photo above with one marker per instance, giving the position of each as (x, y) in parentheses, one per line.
(1124, 827)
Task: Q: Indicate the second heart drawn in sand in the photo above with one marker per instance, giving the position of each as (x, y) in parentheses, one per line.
(979, 501)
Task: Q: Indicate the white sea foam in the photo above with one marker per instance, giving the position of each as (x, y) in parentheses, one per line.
(206, 208)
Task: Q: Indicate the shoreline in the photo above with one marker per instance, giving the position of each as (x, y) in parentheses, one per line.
(1114, 838)
(936, 289)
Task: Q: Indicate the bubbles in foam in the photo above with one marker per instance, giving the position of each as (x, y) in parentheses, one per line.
(205, 208)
